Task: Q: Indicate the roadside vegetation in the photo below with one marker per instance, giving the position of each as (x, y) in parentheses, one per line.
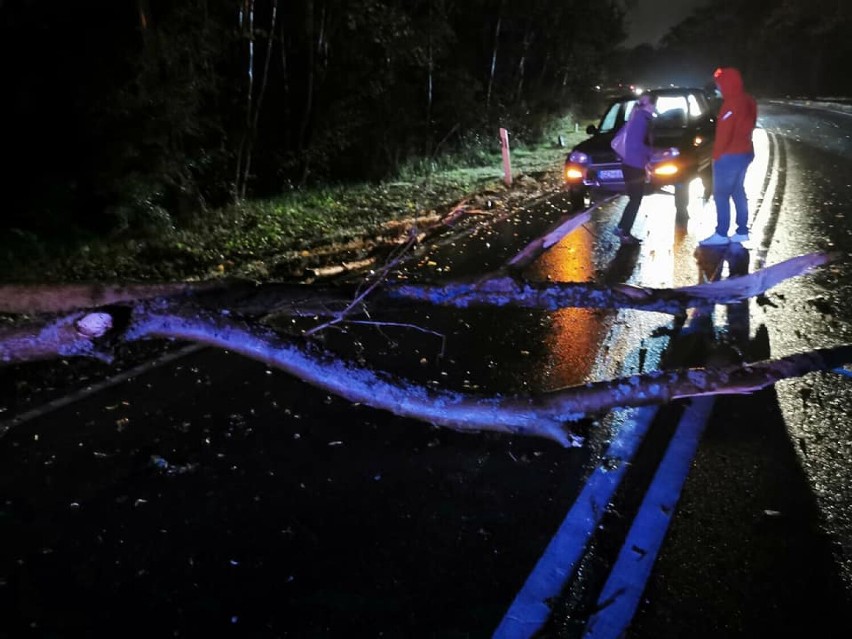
(202, 137)
(205, 137)
(279, 237)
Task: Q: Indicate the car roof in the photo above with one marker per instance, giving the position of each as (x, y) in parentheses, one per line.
(661, 91)
(675, 90)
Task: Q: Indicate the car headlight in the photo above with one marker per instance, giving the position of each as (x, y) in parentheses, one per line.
(666, 169)
(578, 157)
(574, 173)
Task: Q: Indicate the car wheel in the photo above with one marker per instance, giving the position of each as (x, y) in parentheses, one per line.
(577, 198)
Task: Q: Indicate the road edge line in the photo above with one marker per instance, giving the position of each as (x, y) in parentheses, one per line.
(65, 400)
(619, 598)
(529, 610)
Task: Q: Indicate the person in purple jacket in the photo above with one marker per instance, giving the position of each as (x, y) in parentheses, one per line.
(637, 153)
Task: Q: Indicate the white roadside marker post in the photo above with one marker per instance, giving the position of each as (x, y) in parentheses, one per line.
(507, 162)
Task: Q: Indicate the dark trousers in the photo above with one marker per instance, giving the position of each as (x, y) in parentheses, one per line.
(634, 179)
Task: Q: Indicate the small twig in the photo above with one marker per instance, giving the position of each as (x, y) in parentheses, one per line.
(381, 276)
(404, 325)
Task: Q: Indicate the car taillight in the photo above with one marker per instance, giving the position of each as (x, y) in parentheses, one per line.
(573, 173)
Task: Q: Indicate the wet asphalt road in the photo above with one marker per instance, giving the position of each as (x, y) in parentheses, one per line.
(762, 542)
(213, 496)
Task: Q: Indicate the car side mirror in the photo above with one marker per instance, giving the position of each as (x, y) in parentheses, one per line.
(591, 129)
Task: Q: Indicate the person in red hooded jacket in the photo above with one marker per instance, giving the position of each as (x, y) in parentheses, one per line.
(733, 152)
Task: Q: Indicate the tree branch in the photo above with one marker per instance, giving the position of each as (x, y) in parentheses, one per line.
(544, 415)
(508, 291)
(61, 298)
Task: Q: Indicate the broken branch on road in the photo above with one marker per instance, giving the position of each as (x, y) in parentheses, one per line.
(499, 291)
(230, 315)
(543, 415)
(509, 291)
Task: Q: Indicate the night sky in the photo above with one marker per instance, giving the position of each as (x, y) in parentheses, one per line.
(649, 20)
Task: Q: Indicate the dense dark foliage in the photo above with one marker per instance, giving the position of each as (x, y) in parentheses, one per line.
(155, 109)
(149, 111)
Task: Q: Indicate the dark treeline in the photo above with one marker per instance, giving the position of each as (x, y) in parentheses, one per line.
(797, 48)
(129, 108)
(123, 111)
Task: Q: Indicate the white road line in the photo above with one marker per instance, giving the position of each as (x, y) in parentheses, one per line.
(530, 610)
(60, 402)
(620, 596)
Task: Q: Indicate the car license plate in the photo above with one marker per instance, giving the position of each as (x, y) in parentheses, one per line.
(610, 174)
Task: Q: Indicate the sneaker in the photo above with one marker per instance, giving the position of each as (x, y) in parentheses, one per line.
(739, 238)
(715, 240)
(626, 237)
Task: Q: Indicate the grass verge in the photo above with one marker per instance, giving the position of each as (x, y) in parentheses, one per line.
(277, 237)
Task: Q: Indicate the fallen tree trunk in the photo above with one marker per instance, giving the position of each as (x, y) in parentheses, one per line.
(165, 311)
(295, 300)
(70, 336)
(508, 291)
(61, 298)
(545, 415)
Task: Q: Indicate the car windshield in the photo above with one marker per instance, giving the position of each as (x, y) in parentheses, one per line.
(672, 112)
(616, 115)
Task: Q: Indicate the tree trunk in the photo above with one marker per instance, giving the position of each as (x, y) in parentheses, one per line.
(207, 313)
(251, 134)
(246, 25)
(544, 415)
(493, 69)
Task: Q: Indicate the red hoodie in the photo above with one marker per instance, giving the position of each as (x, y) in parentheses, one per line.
(737, 117)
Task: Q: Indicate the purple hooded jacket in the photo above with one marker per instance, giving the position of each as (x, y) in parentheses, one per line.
(637, 152)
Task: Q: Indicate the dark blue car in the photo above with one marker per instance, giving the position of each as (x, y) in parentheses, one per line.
(682, 133)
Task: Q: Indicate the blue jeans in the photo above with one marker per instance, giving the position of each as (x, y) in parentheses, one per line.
(729, 173)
